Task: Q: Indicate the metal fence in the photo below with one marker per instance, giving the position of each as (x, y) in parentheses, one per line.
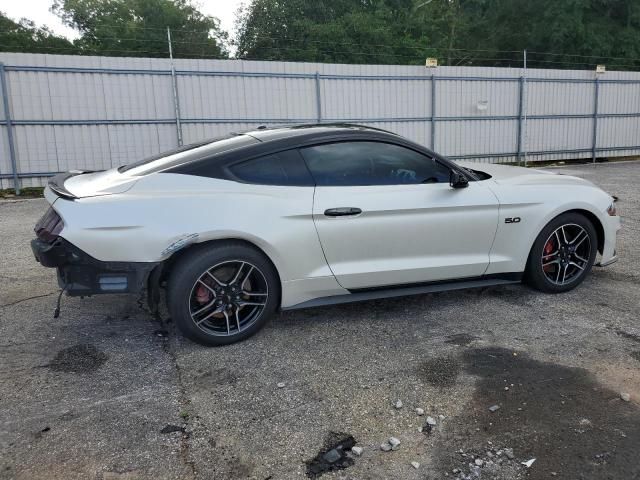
(67, 112)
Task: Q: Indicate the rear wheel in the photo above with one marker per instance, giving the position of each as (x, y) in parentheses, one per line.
(563, 254)
(223, 293)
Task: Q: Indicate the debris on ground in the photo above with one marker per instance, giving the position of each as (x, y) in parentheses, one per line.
(528, 463)
(391, 444)
(420, 411)
(492, 463)
(172, 428)
(357, 451)
(281, 385)
(333, 456)
(625, 396)
(415, 465)
(494, 408)
(431, 421)
(398, 404)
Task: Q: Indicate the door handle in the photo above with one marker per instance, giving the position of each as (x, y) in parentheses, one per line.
(342, 211)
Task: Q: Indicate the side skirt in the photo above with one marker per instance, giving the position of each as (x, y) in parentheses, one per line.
(361, 295)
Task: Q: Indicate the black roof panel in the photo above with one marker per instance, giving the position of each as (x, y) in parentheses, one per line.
(309, 130)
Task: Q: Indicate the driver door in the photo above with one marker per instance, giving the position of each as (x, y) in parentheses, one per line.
(386, 215)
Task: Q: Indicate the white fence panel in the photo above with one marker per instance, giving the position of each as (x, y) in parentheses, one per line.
(71, 112)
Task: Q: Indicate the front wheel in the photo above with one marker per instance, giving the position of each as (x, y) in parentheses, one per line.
(563, 254)
(223, 293)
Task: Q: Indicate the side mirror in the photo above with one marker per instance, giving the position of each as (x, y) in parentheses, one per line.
(458, 180)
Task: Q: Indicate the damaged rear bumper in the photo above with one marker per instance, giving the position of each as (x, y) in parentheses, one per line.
(82, 275)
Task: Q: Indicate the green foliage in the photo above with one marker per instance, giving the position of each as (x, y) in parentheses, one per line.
(138, 27)
(24, 36)
(556, 33)
(457, 32)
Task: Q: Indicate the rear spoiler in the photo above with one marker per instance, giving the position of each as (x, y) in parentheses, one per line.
(56, 184)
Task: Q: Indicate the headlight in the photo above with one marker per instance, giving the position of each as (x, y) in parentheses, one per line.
(612, 210)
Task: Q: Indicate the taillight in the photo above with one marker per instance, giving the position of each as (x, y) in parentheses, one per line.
(49, 226)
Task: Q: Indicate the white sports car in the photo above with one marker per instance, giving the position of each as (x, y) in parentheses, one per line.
(285, 218)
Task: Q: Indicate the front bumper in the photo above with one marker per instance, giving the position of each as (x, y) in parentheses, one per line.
(611, 227)
(82, 275)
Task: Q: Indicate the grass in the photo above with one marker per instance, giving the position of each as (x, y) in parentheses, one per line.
(28, 192)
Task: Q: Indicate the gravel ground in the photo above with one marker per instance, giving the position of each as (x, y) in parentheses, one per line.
(108, 392)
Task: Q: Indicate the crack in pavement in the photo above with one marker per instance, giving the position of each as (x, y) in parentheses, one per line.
(183, 398)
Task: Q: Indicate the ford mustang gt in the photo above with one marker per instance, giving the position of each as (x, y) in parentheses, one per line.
(236, 228)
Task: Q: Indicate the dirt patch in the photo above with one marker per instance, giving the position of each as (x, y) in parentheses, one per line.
(440, 371)
(82, 358)
(636, 355)
(629, 335)
(561, 416)
(461, 339)
(206, 379)
(333, 456)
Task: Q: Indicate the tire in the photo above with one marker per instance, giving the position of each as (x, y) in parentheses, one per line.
(572, 236)
(222, 293)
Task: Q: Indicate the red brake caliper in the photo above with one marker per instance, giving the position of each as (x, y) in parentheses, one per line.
(548, 248)
(203, 295)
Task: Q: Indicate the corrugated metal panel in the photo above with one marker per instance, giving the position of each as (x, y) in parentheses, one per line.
(559, 134)
(476, 138)
(103, 118)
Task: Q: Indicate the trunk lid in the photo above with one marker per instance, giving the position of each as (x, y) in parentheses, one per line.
(82, 184)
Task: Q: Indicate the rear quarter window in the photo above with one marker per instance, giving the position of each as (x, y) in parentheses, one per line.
(283, 168)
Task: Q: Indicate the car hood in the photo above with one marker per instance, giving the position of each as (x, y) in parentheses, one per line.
(81, 184)
(510, 175)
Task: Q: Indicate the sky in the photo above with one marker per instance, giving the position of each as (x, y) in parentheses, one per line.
(38, 11)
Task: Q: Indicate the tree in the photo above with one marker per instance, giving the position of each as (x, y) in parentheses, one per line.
(557, 33)
(25, 36)
(138, 28)
(349, 31)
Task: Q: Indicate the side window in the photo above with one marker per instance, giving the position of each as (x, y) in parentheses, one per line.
(371, 163)
(284, 168)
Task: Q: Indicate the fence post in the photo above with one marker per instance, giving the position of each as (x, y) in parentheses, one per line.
(176, 98)
(594, 139)
(520, 117)
(9, 127)
(433, 112)
(318, 98)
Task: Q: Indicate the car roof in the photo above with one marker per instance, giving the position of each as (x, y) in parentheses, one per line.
(311, 130)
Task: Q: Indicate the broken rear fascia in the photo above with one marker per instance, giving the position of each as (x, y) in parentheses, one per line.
(82, 275)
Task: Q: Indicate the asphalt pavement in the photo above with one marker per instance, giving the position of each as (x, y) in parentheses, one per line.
(107, 391)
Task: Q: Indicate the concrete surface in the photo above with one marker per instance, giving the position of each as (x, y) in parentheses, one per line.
(88, 395)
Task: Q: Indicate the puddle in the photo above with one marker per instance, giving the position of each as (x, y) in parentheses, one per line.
(560, 416)
(82, 358)
(440, 371)
(333, 456)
